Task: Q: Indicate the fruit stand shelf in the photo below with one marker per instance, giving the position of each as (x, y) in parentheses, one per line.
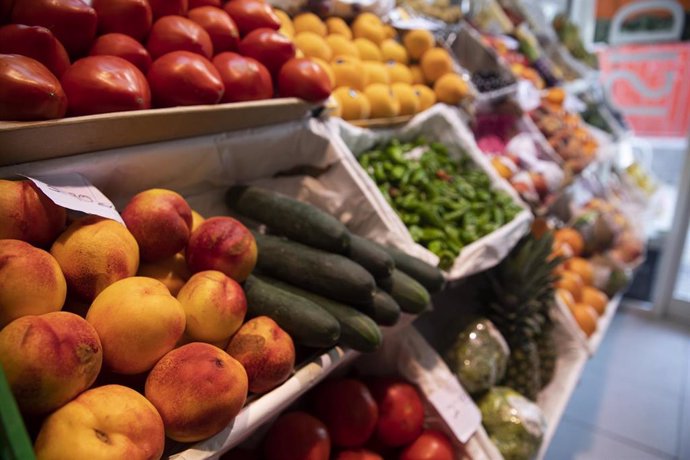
(604, 323)
(22, 142)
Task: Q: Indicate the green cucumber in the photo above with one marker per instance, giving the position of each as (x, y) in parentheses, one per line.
(307, 323)
(370, 256)
(296, 220)
(384, 310)
(408, 293)
(332, 275)
(426, 274)
(357, 330)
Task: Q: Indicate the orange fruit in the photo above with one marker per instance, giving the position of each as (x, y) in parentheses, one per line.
(426, 96)
(451, 88)
(571, 237)
(435, 63)
(594, 297)
(586, 317)
(337, 26)
(313, 45)
(309, 22)
(566, 297)
(572, 282)
(418, 42)
(582, 267)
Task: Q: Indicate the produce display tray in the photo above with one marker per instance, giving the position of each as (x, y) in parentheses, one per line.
(21, 142)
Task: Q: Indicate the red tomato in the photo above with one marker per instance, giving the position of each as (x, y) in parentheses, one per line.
(252, 14)
(101, 84)
(401, 412)
(219, 25)
(297, 436)
(359, 454)
(175, 33)
(345, 405)
(184, 78)
(122, 46)
(129, 17)
(6, 10)
(269, 47)
(162, 8)
(244, 78)
(430, 445)
(304, 78)
(28, 90)
(72, 22)
(35, 42)
(198, 3)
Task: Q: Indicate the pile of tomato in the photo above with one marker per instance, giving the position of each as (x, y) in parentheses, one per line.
(351, 419)
(64, 57)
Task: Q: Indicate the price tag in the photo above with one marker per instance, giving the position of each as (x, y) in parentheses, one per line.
(423, 366)
(528, 95)
(74, 191)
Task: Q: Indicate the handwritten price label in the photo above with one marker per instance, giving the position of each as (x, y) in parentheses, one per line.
(74, 191)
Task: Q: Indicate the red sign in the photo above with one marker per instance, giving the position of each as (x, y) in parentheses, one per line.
(650, 86)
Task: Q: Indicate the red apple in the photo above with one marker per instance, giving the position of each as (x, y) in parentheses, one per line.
(269, 47)
(252, 14)
(245, 79)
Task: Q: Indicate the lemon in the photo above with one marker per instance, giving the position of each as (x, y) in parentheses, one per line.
(417, 75)
(309, 22)
(393, 51)
(336, 26)
(398, 72)
(409, 102)
(369, 26)
(418, 42)
(349, 71)
(435, 63)
(312, 45)
(353, 105)
(286, 27)
(341, 46)
(382, 101)
(426, 96)
(368, 51)
(451, 88)
(376, 72)
(327, 68)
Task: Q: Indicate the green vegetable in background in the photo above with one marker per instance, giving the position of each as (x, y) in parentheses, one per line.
(446, 203)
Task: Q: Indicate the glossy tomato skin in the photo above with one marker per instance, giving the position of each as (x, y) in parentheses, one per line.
(251, 15)
(175, 33)
(345, 405)
(102, 84)
(72, 22)
(162, 8)
(129, 17)
(430, 445)
(244, 78)
(198, 3)
(184, 78)
(220, 27)
(297, 436)
(305, 79)
(35, 42)
(401, 411)
(358, 454)
(269, 47)
(123, 46)
(28, 90)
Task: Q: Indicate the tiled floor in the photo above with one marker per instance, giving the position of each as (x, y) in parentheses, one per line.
(633, 401)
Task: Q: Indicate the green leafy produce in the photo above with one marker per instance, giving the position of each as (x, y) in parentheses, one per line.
(445, 203)
(479, 356)
(515, 424)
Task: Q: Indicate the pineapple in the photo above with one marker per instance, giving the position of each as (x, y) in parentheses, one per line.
(521, 290)
(546, 347)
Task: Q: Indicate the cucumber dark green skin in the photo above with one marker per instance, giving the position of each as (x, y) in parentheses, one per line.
(331, 275)
(409, 294)
(370, 256)
(384, 310)
(357, 330)
(296, 220)
(426, 274)
(307, 323)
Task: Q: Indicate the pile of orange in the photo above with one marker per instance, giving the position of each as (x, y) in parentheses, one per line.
(575, 283)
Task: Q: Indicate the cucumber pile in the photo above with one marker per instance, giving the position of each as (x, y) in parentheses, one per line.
(322, 284)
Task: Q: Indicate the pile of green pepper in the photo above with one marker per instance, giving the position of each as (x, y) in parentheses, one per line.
(445, 203)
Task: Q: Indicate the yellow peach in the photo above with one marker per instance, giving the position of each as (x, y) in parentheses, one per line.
(173, 272)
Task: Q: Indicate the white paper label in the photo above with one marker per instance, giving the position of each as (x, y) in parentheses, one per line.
(74, 191)
(528, 95)
(423, 366)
